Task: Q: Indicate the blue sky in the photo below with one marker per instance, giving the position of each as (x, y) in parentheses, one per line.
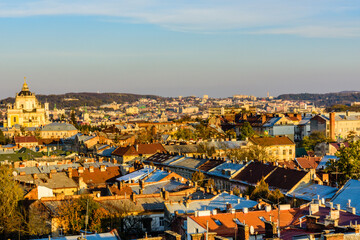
(172, 48)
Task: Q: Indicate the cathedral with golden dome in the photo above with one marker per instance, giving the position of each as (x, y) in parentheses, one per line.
(27, 111)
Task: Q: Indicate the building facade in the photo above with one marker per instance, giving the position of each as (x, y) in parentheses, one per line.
(27, 111)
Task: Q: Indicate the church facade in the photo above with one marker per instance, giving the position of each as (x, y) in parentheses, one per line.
(27, 111)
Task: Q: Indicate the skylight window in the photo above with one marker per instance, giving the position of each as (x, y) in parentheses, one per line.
(217, 222)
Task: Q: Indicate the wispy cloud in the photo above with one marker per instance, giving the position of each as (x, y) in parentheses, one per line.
(306, 18)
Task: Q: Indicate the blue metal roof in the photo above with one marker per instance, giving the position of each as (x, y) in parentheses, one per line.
(350, 191)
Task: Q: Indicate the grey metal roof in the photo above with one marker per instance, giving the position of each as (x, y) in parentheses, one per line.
(55, 126)
(325, 159)
(228, 167)
(169, 186)
(189, 162)
(47, 169)
(97, 236)
(311, 191)
(217, 202)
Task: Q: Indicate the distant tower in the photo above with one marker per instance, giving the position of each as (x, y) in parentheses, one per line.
(268, 94)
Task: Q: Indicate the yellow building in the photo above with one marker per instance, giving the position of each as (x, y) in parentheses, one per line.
(27, 111)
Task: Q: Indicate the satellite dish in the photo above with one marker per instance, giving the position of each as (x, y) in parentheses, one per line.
(252, 230)
(14, 173)
(98, 195)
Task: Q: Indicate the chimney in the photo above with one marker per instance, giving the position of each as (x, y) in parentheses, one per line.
(91, 169)
(270, 229)
(243, 231)
(245, 210)
(228, 207)
(35, 176)
(313, 208)
(102, 168)
(80, 169)
(263, 118)
(298, 116)
(69, 172)
(350, 209)
(245, 116)
(333, 218)
(50, 175)
(133, 197)
(267, 208)
(332, 126)
(137, 147)
(166, 195)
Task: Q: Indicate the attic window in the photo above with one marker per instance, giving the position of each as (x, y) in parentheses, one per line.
(217, 222)
(237, 221)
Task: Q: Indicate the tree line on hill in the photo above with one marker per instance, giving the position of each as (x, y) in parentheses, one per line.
(85, 98)
(326, 99)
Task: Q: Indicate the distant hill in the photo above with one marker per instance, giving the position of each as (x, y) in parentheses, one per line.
(69, 100)
(325, 99)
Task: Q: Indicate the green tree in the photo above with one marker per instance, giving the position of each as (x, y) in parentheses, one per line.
(253, 152)
(3, 140)
(184, 134)
(10, 195)
(73, 119)
(236, 191)
(351, 136)
(198, 177)
(72, 215)
(231, 134)
(261, 190)
(276, 196)
(309, 142)
(207, 150)
(246, 131)
(348, 164)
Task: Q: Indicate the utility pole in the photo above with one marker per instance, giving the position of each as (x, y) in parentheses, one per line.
(207, 230)
(86, 216)
(278, 219)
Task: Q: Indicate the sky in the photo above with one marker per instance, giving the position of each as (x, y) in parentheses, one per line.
(183, 47)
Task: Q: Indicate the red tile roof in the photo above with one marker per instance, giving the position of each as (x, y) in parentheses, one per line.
(308, 162)
(227, 227)
(142, 149)
(288, 164)
(272, 141)
(25, 139)
(210, 165)
(98, 177)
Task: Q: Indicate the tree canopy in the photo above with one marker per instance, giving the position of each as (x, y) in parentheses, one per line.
(253, 152)
(309, 142)
(246, 131)
(10, 195)
(348, 165)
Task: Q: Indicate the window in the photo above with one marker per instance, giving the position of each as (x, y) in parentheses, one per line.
(161, 221)
(284, 152)
(290, 151)
(217, 222)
